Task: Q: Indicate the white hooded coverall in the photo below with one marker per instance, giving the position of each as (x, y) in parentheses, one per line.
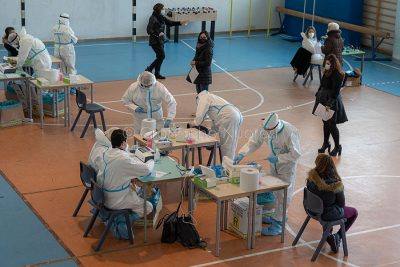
(102, 144)
(64, 40)
(116, 171)
(150, 100)
(34, 50)
(226, 119)
(285, 145)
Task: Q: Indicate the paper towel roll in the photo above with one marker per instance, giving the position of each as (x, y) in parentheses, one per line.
(148, 125)
(249, 179)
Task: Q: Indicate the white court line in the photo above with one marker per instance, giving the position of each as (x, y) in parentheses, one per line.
(387, 264)
(348, 64)
(220, 91)
(308, 244)
(239, 81)
(387, 65)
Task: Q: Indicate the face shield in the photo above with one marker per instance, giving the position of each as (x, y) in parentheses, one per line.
(13, 39)
(64, 19)
(272, 125)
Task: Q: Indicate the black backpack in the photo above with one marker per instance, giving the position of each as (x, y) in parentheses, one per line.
(170, 231)
(188, 234)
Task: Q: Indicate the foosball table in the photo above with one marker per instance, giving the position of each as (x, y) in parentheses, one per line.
(191, 14)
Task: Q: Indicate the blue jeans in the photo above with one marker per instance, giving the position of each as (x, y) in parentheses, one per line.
(201, 87)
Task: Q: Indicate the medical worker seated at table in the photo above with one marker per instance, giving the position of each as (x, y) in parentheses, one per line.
(116, 171)
(64, 40)
(226, 120)
(33, 50)
(284, 142)
(145, 97)
(103, 143)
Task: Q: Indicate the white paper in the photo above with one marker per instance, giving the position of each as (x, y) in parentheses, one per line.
(320, 111)
(158, 174)
(157, 213)
(193, 74)
(12, 75)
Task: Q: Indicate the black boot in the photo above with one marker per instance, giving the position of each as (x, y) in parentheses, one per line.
(160, 77)
(336, 150)
(331, 240)
(324, 147)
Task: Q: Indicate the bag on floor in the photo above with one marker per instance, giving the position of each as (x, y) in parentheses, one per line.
(187, 233)
(170, 226)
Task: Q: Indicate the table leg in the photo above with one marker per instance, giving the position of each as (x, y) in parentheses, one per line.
(253, 225)
(215, 153)
(190, 196)
(145, 212)
(91, 93)
(284, 214)
(212, 30)
(66, 121)
(176, 34)
(187, 157)
(203, 26)
(362, 68)
(28, 88)
(68, 111)
(183, 156)
(41, 107)
(55, 96)
(250, 222)
(168, 32)
(226, 215)
(218, 228)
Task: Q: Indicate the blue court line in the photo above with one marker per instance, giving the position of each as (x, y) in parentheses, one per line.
(24, 239)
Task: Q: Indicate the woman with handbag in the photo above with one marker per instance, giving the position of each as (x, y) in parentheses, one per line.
(202, 61)
(329, 96)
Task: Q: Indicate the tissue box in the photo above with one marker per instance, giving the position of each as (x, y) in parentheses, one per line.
(42, 81)
(353, 81)
(205, 182)
(66, 80)
(238, 217)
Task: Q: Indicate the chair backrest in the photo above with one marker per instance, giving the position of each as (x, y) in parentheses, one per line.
(313, 204)
(87, 173)
(97, 195)
(80, 99)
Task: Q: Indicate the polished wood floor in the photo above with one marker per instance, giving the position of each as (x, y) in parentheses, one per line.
(43, 165)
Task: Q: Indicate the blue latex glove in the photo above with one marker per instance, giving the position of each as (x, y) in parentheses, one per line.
(167, 123)
(238, 159)
(140, 110)
(272, 159)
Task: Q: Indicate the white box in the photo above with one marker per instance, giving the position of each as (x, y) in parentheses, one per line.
(238, 217)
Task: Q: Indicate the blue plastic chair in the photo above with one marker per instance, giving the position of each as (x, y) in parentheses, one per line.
(98, 199)
(314, 208)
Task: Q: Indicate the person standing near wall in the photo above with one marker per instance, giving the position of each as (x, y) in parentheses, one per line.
(334, 43)
(155, 30)
(202, 61)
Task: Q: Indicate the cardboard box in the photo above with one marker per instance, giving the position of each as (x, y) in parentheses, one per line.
(10, 113)
(49, 104)
(353, 81)
(238, 217)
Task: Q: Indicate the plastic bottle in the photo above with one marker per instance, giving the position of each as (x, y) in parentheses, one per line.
(149, 142)
(157, 155)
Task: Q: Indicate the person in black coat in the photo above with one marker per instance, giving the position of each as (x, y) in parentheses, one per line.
(155, 30)
(202, 61)
(326, 183)
(329, 96)
(11, 41)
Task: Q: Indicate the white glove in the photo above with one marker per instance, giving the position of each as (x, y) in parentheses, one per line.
(161, 34)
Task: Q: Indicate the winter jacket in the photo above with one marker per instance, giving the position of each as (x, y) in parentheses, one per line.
(333, 45)
(329, 95)
(301, 61)
(203, 58)
(155, 26)
(330, 190)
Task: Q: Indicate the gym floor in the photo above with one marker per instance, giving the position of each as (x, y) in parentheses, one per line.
(41, 166)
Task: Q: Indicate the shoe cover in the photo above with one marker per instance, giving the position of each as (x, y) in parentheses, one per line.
(273, 230)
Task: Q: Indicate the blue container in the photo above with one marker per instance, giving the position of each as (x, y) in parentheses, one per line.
(342, 10)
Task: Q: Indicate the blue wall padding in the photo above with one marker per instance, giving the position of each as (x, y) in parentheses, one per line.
(342, 10)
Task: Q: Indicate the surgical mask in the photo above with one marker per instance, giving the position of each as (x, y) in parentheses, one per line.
(148, 87)
(311, 35)
(327, 66)
(202, 40)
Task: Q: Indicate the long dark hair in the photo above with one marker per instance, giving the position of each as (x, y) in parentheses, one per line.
(209, 41)
(157, 8)
(325, 165)
(335, 65)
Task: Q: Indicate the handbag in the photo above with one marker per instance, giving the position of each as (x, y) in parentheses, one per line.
(170, 225)
(187, 233)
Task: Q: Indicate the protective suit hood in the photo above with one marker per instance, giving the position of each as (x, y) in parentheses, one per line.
(64, 19)
(273, 124)
(146, 78)
(102, 138)
(23, 35)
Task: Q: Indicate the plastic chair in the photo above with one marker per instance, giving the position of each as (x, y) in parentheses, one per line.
(91, 109)
(210, 148)
(314, 208)
(310, 73)
(98, 199)
(87, 174)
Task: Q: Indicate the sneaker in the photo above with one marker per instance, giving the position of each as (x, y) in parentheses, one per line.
(331, 240)
(160, 77)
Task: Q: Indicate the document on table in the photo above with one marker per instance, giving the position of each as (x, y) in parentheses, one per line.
(13, 75)
(321, 111)
(193, 74)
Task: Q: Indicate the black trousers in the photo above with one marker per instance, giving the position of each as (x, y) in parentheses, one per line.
(330, 128)
(160, 55)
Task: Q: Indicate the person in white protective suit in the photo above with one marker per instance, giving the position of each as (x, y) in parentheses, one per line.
(103, 143)
(64, 40)
(283, 139)
(311, 44)
(226, 120)
(145, 97)
(34, 50)
(116, 171)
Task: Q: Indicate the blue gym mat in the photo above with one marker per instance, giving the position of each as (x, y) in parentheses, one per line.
(22, 233)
